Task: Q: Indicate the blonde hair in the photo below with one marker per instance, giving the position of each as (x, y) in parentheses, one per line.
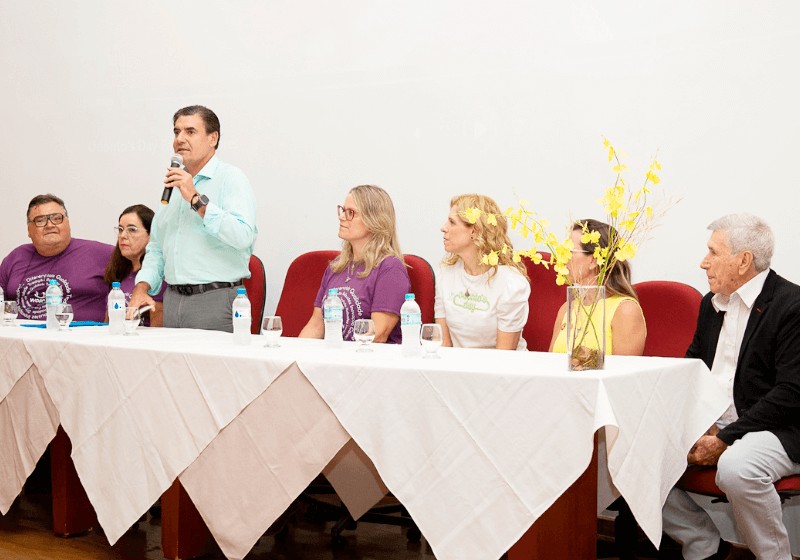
(376, 210)
(487, 237)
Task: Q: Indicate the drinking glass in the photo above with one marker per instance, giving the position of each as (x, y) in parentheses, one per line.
(364, 334)
(132, 319)
(64, 316)
(431, 338)
(272, 329)
(10, 312)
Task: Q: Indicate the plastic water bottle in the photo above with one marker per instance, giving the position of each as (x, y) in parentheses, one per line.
(410, 323)
(116, 309)
(52, 299)
(241, 313)
(332, 314)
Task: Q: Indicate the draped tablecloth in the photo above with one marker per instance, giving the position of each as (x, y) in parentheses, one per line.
(28, 418)
(138, 410)
(476, 444)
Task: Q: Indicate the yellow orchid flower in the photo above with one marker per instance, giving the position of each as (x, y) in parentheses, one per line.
(471, 215)
(590, 237)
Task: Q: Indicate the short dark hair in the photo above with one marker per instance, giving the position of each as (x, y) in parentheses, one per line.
(210, 118)
(40, 199)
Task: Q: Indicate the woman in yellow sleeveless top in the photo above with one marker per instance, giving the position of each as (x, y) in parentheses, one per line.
(625, 327)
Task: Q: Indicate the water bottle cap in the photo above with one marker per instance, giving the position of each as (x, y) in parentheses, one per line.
(409, 296)
(52, 281)
(115, 284)
(333, 291)
(241, 291)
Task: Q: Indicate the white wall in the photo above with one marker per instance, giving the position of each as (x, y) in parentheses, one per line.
(425, 98)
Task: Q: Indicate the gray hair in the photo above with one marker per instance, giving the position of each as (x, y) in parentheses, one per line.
(746, 232)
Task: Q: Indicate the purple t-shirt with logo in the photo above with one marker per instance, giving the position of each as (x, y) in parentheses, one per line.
(79, 269)
(383, 290)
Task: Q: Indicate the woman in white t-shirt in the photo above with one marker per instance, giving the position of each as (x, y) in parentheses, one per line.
(479, 305)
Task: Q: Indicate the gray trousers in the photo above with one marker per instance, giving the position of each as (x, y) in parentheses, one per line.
(746, 472)
(210, 310)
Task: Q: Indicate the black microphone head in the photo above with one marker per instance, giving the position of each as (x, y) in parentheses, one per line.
(176, 161)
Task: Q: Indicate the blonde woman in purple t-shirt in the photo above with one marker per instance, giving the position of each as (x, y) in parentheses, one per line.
(369, 272)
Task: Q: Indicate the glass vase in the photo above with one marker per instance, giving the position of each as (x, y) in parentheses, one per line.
(586, 333)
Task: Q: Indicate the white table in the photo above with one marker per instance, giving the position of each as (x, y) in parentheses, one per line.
(476, 445)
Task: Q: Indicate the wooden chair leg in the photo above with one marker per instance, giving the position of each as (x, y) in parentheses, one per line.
(184, 534)
(72, 512)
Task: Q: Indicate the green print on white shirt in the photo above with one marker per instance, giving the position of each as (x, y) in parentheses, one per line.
(472, 302)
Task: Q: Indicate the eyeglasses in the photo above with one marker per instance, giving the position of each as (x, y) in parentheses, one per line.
(573, 251)
(130, 230)
(41, 221)
(349, 213)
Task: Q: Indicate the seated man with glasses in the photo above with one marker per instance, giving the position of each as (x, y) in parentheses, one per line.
(77, 264)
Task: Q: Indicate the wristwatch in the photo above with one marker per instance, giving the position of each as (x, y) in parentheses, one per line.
(198, 202)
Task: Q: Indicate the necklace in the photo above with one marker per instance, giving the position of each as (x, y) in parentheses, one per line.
(349, 273)
(467, 280)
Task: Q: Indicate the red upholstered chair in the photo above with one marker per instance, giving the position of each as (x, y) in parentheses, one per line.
(300, 288)
(670, 311)
(256, 287)
(423, 284)
(701, 480)
(545, 300)
(305, 275)
(295, 306)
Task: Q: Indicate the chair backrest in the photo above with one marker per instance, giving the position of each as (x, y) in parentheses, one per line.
(256, 287)
(304, 277)
(544, 302)
(670, 311)
(423, 284)
(300, 287)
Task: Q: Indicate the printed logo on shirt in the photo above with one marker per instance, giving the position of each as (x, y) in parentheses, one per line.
(352, 310)
(31, 295)
(472, 302)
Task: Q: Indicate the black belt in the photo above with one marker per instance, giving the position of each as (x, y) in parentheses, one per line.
(192, 289)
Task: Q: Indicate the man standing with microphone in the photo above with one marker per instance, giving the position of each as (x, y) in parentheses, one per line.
(202, 238)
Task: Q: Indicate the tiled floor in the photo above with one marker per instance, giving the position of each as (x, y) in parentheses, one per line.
(25, 535)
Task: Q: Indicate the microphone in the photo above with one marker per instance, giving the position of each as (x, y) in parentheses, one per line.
(176, 161)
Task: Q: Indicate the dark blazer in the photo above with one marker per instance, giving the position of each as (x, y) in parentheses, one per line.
(766, 386)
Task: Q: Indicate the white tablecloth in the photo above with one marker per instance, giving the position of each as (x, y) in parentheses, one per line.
(476, 445)
(138, 410)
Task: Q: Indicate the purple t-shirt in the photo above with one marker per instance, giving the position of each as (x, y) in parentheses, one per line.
(79, 270)
(127, 285)
(383, 290)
